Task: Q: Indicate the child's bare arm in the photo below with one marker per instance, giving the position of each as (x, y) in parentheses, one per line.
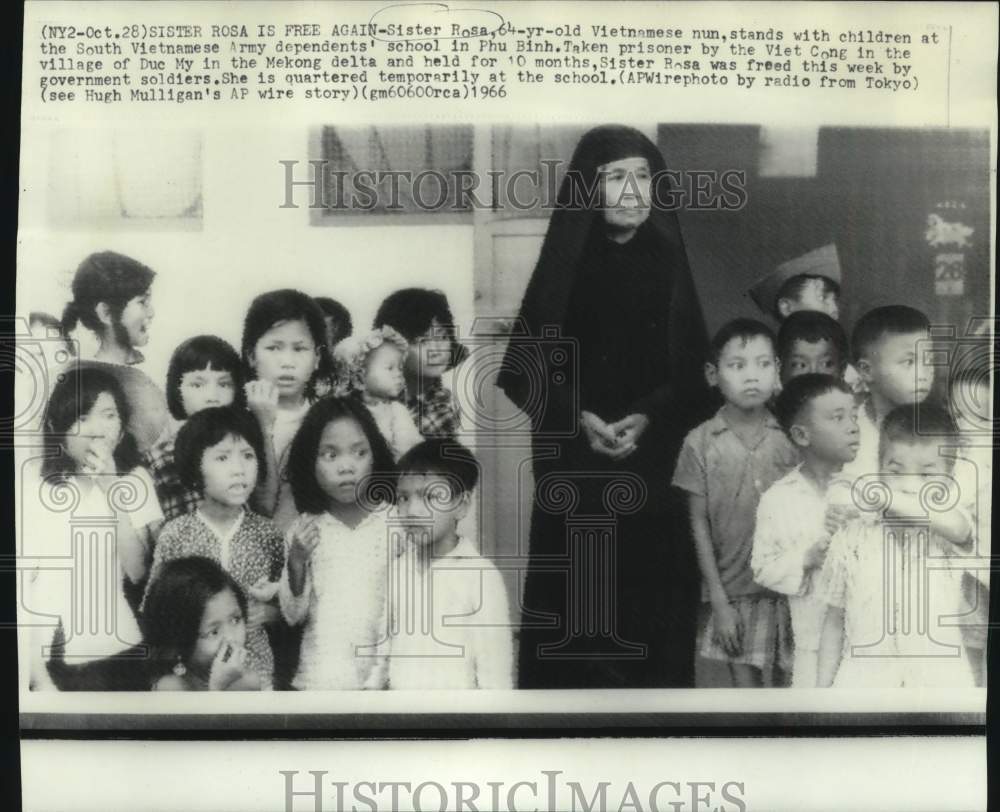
(953, 525)
(262, 400)
(727, 620)
(831, 646)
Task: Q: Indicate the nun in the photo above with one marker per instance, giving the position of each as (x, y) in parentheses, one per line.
(611, 591)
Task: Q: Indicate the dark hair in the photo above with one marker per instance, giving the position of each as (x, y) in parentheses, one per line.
(445, 457)
(745, 329)
(411, 312)
(341, 316)
(918, 423)
(801, 391)
(792, 289)
(175, 606)
(72, 398)
(196, 354)
(812, 326)
(208, 427)
(883, 321)
(279, 306)
(108, 277)
(309, 497)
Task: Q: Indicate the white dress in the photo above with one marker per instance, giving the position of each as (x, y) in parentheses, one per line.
(341, 601)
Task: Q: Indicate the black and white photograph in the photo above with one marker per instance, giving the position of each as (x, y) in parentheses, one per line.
(401, 371)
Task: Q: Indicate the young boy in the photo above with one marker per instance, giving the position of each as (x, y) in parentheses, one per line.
(890, 346)
(811, 342)
(424, 318)
(724, 466)
(811, 284)
(890, 577)
(446, 609)
(794, 524)
(971, 409)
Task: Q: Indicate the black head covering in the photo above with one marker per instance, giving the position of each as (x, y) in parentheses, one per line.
(570, 229)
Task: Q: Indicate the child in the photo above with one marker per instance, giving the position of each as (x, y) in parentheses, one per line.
(94, 506)
(370, 367)
(811, 342)
(334, 579)
(809, 283)
(794, 524)
(195, 628)
(338, 327)
(111, 298)
(724, 466)
(204, 371)
(888, 578)
(218, 451)
(282, 339)
(446, 615)
(424, 319)
(890, 346)
(970, 404)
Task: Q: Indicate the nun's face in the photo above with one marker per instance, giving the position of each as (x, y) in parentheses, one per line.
(625, 194)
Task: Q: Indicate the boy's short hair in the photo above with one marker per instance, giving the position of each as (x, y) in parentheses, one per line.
(199, 353)
(792, 289)
(812, 326)
(742, 328)
(883, 321)
(800, 392)
(446, 457)
(208, 427)
(917, 423)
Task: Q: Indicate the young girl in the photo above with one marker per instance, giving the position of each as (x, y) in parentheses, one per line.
(204, 371)
(339, 547)
(282, 338)
(423, 317)
(370, 367)
(112, 299)
(218, 451)
(195, 628)
(87, 523)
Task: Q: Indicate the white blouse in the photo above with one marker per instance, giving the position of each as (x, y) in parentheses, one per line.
(68, 555)
(341, 601)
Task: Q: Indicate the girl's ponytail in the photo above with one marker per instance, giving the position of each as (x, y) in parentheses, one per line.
(70, 318)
